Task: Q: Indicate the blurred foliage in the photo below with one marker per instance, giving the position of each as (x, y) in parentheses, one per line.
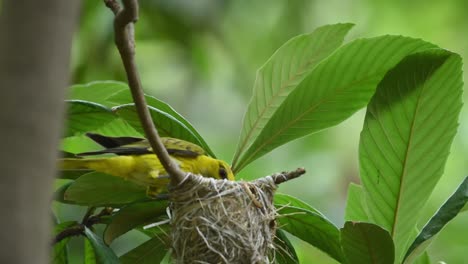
(201, 58)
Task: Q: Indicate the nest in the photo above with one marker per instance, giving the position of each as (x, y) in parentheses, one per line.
(219, 221)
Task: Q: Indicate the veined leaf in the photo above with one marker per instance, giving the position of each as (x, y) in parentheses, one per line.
(313, 228)
(339, 86)
(408, 129)
(152, 251)
(113, 94)
(167, 125)
(118, 128)
(284, 250)
(355, 210)
(288, 66)
(366, 243)
(445, 214)
(132, 216)
(103, 254)
(83, 116)
(124, 97)
(97, 92)
(99, 189)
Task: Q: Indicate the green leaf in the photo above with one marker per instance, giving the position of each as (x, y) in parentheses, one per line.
(89, 256)
(97, 92)
(124, 97)
(423, 259)
(103, 254)
(59, 194)
(167, 259)
(166, 124)
(286, 68)
(311, 227)
(83, 116)
(284, 250)
(355, 210)
(113, 94)
(366, 243)
(152, 251)
(338, 87)
(445, 214)
(72, 174)
(132, 216)
(281, 200)
(99, 189)
(118, 128)
(465, 208)
(409, 127)
(60, 251)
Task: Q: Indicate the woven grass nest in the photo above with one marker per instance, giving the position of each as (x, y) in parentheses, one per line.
(220, 221)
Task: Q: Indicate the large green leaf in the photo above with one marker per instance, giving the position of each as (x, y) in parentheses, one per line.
(288, 66)
(167, 125)
(112, 94)
(97, 92)
(408, 129)
(366, 243)
(103, 254)
(445, 214)
(152, 251)
(83, 116)
(132, 216)
(99, 189)
(284, 250)
(311, 227)
(355, 204)
(334, 90)
(124, 97)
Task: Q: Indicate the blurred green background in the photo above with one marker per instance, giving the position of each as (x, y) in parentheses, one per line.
(201, 57)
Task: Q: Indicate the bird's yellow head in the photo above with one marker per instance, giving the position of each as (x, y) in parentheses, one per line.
(215, 168)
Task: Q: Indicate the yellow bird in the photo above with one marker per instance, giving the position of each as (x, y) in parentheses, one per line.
(135, 161)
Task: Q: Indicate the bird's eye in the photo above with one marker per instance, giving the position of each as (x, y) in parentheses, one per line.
(222, 173)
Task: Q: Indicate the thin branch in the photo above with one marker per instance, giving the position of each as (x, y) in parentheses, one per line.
(124, 39)
(286, 176)
(88, 221)
(75, 230)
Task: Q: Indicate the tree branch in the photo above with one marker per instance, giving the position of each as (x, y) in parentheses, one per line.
(88, 221)
(75, 230)
(124, 39)
(279, 178)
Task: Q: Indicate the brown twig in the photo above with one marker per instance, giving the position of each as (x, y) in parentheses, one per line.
(286, 176)
(124, 39)
(88, 221)
(75, 230)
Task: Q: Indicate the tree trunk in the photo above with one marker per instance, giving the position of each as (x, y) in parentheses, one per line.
(35, 42)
